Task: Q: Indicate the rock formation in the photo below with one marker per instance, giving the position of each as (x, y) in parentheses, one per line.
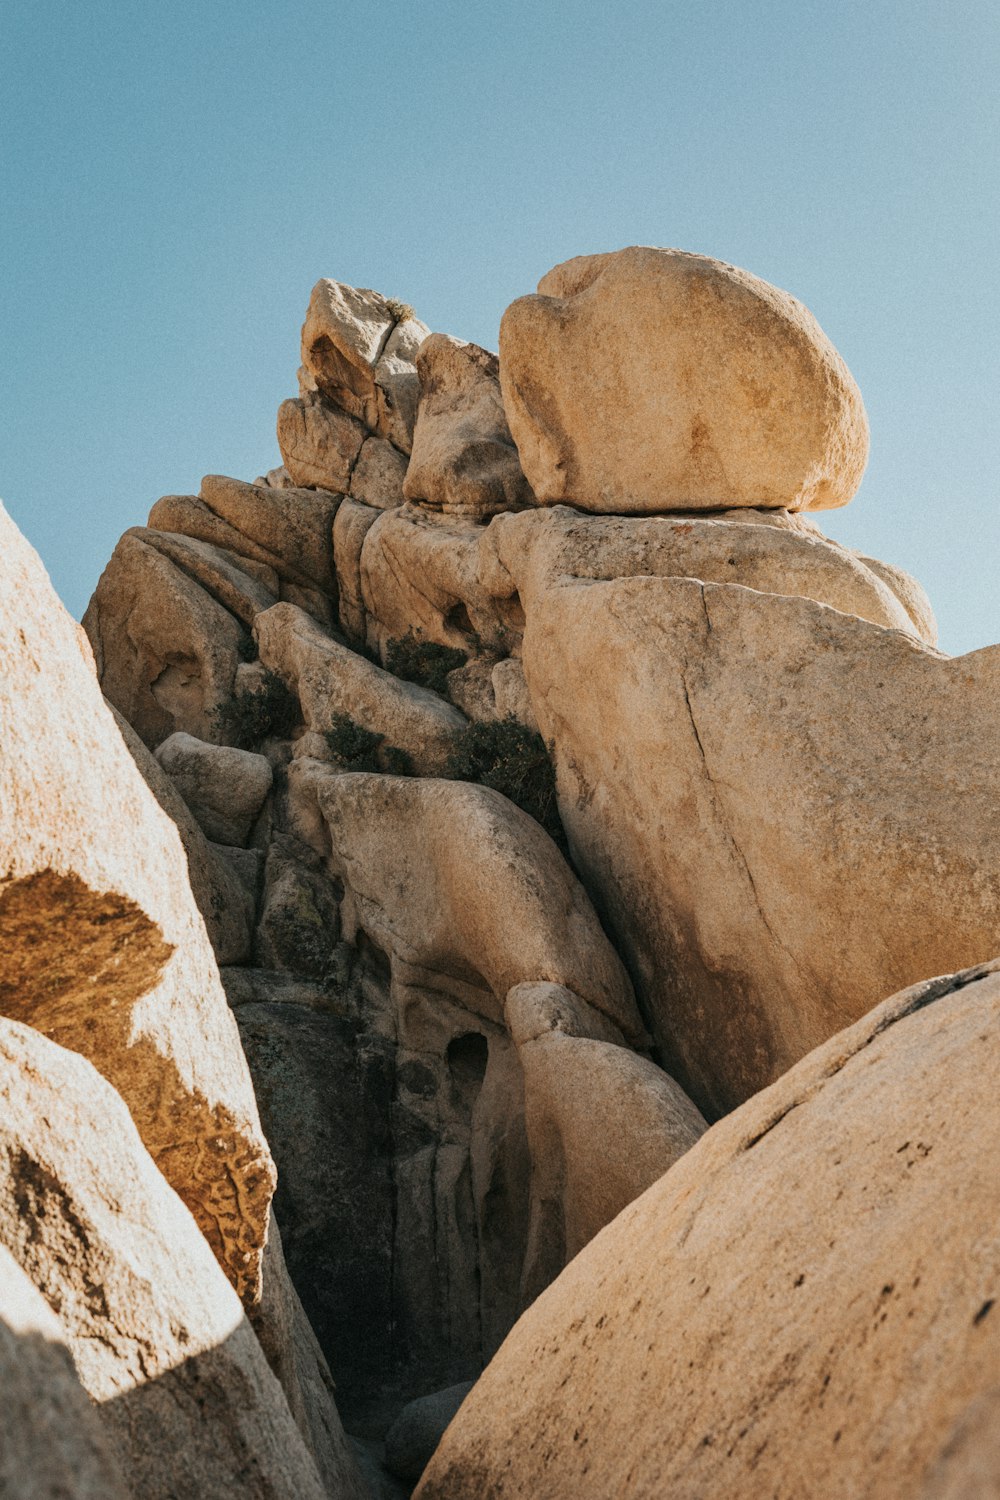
(516, 796)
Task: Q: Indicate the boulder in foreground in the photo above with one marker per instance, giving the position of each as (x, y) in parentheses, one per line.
(803, 1305)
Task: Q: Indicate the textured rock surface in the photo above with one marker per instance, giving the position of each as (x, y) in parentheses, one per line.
(801, 1306)
(428, 866)
(224, 787)
(772, 552)
(331, 679)
(103, 948)
(166, 651)
(464, 460)
(319, 444)
(650, 379)
(750, 902)
(360, 350)
(157, 1334)
(52, 1445)
(226, 907)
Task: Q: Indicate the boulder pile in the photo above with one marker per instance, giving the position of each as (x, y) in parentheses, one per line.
(449, 965)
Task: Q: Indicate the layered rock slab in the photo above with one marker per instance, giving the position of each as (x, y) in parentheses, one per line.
(649, 379)
(834, 1358)
(103, 948)
(742, 777)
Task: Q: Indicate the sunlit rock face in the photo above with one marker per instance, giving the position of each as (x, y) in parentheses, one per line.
(650, 380)
(552, 794)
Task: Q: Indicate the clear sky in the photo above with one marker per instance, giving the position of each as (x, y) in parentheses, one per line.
(176, 177)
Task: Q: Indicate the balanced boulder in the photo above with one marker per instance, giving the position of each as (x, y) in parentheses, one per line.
(647, 379)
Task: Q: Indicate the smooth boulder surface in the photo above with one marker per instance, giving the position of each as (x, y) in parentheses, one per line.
(225, 904)
(803, 1305)
(224, 787)
(158, 1336)
(743, 777)
(464, 460)
(103, 948)
(649, 379)
(429, 865)
(603, 1123)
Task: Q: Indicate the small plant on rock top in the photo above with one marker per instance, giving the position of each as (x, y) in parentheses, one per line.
(401, 311)
(426, 663)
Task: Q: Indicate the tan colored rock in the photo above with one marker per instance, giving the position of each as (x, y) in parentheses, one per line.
(226, 906)
(510, 691)
(360, 349)
(157, 1334)
(228, 578)
(969, 1464)
(189, 515)
(428, 866)
(464, 460)
(318, 442)
(910, 593)
(52, 1446)
(648, 380)
(742, 777)
(330, 679)
(350, 528)
(224, 787)
(377, 477)
(166, 651)
(397, 384)
(101, 945)
(801, 1306)
(420, 574)
(291, 525)
(773, 552)
(603, 1123)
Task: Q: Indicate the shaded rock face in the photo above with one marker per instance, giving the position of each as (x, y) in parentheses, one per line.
(159, 1339)
(847, 1352)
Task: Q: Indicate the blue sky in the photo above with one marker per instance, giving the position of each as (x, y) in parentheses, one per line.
(176, 177)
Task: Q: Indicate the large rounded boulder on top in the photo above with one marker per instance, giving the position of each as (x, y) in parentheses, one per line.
(647, 380)
(803, 1305)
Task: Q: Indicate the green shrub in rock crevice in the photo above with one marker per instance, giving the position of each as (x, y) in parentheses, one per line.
(359, 749)
(507, 756)
(426, 663)
(255, 714)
